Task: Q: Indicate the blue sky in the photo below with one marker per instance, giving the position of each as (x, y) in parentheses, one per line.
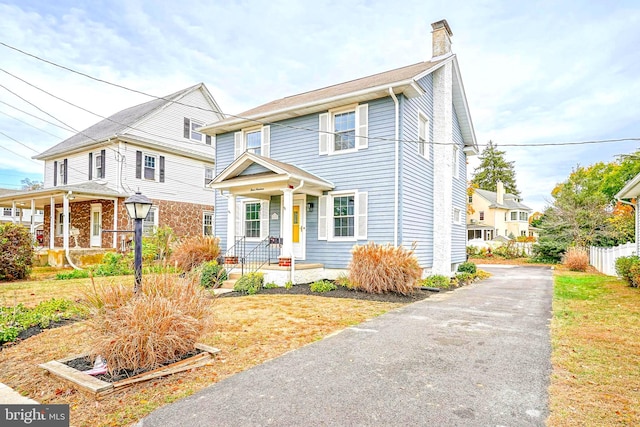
(534, 71)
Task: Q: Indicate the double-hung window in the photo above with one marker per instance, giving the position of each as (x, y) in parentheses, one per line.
(149, 167)
(97, 163)
(342, 215)
(254, 140)
(523, 216)
(7, 212)
(208, 176)
(514, 215)
(60, 221)
(344, 130)
(207, 224)
(423, 135)
(457, 216)
(481, 214)
(252, 220)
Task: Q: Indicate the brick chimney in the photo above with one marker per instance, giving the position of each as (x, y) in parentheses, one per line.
(441, 38)
(499, 192)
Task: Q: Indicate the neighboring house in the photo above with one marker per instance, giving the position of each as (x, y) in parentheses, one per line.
(19, 214)
(377, 159)
(497, 213)
(152, 147)
(630, 194)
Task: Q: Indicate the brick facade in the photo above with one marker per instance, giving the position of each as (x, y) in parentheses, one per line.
(186, 219)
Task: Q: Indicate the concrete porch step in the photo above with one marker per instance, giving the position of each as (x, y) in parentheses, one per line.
(228, 284)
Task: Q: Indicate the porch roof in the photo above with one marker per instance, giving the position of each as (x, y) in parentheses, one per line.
(277, 176)
(631, 190)
(80, 192)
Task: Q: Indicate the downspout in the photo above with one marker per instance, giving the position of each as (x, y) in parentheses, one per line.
(293, 257)
(397, 169)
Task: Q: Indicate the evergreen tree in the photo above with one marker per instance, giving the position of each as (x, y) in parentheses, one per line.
(493, 168)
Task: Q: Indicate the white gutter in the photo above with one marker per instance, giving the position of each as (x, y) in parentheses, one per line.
(397, 169)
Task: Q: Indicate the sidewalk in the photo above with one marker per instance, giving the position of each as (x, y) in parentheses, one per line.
(9, 396)
(477, 356)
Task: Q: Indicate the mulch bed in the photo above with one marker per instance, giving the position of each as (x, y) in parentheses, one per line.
(85, 363)
(341, 292)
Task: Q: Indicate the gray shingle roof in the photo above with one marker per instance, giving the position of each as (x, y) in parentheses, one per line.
(509, 200)
(113, 125)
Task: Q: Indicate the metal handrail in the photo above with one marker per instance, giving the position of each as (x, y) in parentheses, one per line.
(263, 253)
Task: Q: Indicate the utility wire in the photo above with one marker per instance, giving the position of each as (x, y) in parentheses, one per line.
(36, 117)
(29, 124)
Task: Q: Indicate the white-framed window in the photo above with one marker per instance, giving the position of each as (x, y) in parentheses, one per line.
(208, 175)
(513, 215)
(456, 162)
(150, 162)
(254, 140)
(150, 223)
(252, 220)
(6, 211)
(98, 163)
(342, 215)
(523, 216)
(344, 130)
(62, 173)
(190, 126)
(424, 147)
(481, 213)
(457, 216)
(207, 223)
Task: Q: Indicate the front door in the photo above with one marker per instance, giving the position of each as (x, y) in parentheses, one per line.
(96, 225)
(299, 229)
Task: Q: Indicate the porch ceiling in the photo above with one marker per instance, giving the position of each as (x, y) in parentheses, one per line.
(42, 198)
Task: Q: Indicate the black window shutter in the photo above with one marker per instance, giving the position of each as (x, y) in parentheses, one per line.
(139, 164)
(208, 139)
(103, 163)
(91, 166)
(55, 173)
(187, 127)
(161, 168)
(65, 172)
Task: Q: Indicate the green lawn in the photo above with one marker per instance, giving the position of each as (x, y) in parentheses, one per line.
(595, 330)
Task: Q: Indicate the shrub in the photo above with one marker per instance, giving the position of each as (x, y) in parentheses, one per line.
(288, 285)
(467, 267)
(623, 267)
(509, 250)
(193, 251)
(576, 259)
(343, 281)
(437, 281)
(322, 286)
(212, 274)
(473, 250)
(73, 274)
(159, 324)
(383, 268)
(481, 275)
(465, 278)
(270, 285)
(548, 251)
(113, 264)
(634, 272)
(16, 252)
(250, 283)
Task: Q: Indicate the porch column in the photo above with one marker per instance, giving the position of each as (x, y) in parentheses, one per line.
(13, 212)
(33, 215)
(52, 223)
(287, 224)
(637, 225)
(231, 221)
(65, 222)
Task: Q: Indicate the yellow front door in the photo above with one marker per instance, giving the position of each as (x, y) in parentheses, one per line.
(296, 224)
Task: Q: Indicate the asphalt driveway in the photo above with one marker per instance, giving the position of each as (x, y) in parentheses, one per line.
(479, 356)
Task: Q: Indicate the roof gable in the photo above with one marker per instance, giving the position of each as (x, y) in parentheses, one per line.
(118, 123)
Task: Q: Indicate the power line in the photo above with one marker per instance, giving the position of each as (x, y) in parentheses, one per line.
(36, 117)
(29, 124)
(19, 155)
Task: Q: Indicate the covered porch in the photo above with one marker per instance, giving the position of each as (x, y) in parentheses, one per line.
(75, 218)
(270, 203)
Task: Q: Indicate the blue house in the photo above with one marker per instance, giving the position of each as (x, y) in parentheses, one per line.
(378, 159)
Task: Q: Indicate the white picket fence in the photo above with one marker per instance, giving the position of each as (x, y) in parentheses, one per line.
(604, 259)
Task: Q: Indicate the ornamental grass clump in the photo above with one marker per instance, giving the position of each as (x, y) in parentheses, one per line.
(380, 269)
(141, 332)
(576, 259)
(193, 251)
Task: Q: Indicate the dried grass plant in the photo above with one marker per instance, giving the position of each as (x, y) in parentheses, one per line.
(193, 251)
(162, 323)
(380, 269)
(576, 259)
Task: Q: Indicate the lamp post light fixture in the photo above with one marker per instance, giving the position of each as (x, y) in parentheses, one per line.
(138, 207)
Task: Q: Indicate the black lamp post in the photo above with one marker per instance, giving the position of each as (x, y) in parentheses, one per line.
(138, 207)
